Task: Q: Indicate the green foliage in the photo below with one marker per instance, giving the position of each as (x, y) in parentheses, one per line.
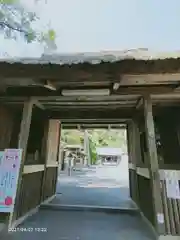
(110, 138)
(99, 137)
(72, 137)
(15, 20)
(93, 152)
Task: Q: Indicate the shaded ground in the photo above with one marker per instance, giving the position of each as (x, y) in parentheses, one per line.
(98, 186)
(82, 226)
(102, 186)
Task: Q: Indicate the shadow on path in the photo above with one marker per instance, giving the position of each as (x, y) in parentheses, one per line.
(96, 186)
(50, 225)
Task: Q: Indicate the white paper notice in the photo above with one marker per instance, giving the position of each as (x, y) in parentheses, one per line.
(172, 185)
(10, 161)
(160, 218)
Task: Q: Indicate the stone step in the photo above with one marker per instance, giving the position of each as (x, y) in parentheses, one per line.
(90, 208)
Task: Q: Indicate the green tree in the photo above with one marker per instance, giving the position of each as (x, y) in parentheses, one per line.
(97, 138)
(15, 19)
(72, 137)
(93, 152)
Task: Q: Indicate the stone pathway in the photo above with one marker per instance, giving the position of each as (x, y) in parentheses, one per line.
(100, 187)
(97, 186)
(51, 225)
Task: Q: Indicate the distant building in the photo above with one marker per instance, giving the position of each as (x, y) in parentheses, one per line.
(76, 153)
(109, 155)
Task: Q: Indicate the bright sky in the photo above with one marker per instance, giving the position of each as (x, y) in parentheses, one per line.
(95, 25)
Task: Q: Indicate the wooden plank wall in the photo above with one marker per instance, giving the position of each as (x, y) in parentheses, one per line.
(30, 194)
(170, 207)
(140, 186)
(169, 130)
(53, 141)
(51, 168)
(6, 127)
(50, 182)
(145, 198)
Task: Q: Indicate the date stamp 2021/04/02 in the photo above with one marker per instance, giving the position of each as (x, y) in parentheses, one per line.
(27, 229)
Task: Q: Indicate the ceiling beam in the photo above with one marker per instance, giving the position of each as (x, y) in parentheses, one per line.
(50, 85)
(122, 90)
(58, 98)
(98, 107)
(93, 126)
(86, 114)
(39, 105)
(94, 121)
(77, 103)
(139, 103)
(150, 79)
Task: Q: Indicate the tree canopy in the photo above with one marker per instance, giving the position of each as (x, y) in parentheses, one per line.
(99, 137)
(16, 20)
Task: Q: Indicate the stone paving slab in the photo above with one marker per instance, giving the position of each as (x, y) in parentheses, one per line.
(51, 225)
(98, 186)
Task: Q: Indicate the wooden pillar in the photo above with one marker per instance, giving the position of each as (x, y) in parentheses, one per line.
(133, 145)
(22, 144)
(136, 157)
(51, 163)
(153, 166)
(44, 149)
(129, 148)
(58, 153)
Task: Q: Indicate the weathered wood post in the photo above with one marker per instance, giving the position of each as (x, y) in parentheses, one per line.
(51, 163)
(22, 144)
(153, 166)
(133, 153)
(130, 158)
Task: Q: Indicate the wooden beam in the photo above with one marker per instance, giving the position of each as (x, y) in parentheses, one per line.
(86, 114)
(33, 168)
(133, 89)
(22, 144)
(50, 85)
(112, 98)
(153, 166)
(94, 121)
(86, 103)
(45, 156)
(53, 164)
(150, 79)
(145, 89)
(83, 126)
(139, 103)
(93, 107)
(130, 67)
(62, 99)
(38, 104)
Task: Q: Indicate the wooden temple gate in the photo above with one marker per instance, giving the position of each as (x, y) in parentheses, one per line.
(154, 150)
(28, 129)
(144, 94)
